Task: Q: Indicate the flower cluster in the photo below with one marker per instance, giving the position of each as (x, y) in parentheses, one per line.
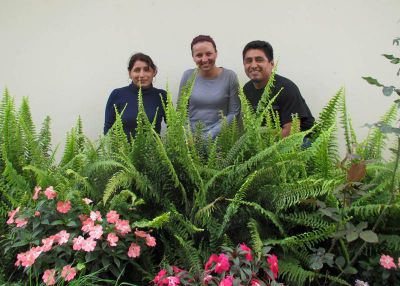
(387, 262)
(233, 267)
(75, 229)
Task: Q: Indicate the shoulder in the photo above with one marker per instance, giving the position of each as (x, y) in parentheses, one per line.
(159, 91)
(119, 92)
(187, 73)
(281, 81)
(229, 73)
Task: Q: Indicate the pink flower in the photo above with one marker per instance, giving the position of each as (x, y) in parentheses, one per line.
(134, 250)
(150, 241)
(141, 233)
(123, 227)
(227, 281)
(96, 232)
(21, 222)
(213, 258)
(222, 264)
(11, 215)
(207, 279)
(112, 239)
(28, 258)
(82, 217)
(171, 281)
(89, 244)
(387, 261)
(112, 217)
(247, 249)
(36, 193)
(48, 243)
(255, 282)
(50, 193)
(77, 243)
(87, 201)
(273, 264)
(37, 213)
(87, 225)
(95, 216)
(62, 237)
(68, 273)
(49, 277)
(63, 207)
(159, 276)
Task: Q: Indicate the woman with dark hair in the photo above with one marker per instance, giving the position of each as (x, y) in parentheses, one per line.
(141, 70)
(215, 89)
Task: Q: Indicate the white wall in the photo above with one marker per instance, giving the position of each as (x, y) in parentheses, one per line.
(67, 55)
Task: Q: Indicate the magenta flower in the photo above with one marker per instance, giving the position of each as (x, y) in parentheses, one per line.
(387, 261)
(49, 277)
(112, 239)
(159, 276)
(11, 215)
(222, 264)
(227, 281)
(77, 243)
(21, 222)
(273, 264)
(213, 258)
(89, 244)
(123, 227)
(50, 193)
(134, 250)
(176, 269)
(63, 207)
(68, 273)
(255, 282)
(171, 281)
(112, 217)
(37, 213)
(36, 193)
(247, 249)
(207, 279)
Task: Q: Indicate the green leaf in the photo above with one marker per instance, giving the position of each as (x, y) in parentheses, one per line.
(57, 222)
(372, 81)
(117, 262)
(388, 90)
(350, 270)
(392, 59)
(369, 236)
(351, 235)
(72, 223)
(80, 266)
(340, 261)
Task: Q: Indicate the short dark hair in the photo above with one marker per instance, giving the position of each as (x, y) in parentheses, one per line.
(141, 57)
(260, 45)
(202, 38)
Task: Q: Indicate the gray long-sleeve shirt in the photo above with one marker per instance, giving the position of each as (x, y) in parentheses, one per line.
(210, 97)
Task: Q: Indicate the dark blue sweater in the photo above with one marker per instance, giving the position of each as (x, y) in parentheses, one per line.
(128, 96)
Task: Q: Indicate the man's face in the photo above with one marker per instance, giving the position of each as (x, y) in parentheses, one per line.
(257, 66)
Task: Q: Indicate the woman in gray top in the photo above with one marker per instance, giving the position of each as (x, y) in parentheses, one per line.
(215, 89)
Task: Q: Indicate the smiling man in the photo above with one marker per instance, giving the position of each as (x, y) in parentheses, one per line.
(258, 61)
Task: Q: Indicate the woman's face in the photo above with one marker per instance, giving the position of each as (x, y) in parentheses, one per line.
(142, 74)
(204, 55)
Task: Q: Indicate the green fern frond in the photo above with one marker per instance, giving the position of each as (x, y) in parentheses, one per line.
(191, 254)
(156, 222)
(256, 241)
(312, 220)
(392, 241)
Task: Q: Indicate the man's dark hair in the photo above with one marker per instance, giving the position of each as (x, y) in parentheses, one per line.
(141, 57)
(260, 45)
(202, 38)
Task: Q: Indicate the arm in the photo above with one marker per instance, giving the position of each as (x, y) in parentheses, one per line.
(233, 105)
(286, 129)
(109, 113)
